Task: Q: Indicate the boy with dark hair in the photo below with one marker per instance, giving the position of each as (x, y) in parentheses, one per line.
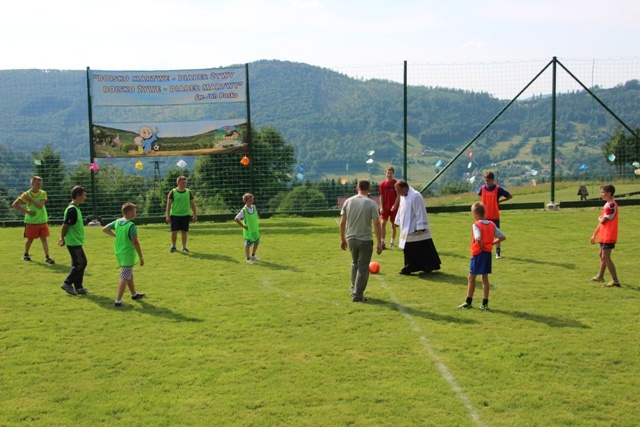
(490, 195)
(180, 205)
(72, 235)
(607, 234)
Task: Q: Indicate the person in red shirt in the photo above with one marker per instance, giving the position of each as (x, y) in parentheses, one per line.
(389, 201)
(607, 235)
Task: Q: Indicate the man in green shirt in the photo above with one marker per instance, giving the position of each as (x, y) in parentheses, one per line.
(72, 235)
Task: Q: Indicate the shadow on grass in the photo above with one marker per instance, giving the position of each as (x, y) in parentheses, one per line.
(442, 277)
(454, 255)
(554, 322)
(147, 308)
(419, 313)
(211, 257)
(274, 266)
(566, 265)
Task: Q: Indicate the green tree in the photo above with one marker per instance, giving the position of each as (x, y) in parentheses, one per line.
(622, 149)
(49, 166)
(269, 172)
(303, 198)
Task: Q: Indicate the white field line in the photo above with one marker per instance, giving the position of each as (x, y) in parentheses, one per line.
(444, 371)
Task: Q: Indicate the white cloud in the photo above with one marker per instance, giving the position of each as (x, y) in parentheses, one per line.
(472, 45)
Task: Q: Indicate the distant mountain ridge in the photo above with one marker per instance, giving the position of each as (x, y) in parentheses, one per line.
(325, 115)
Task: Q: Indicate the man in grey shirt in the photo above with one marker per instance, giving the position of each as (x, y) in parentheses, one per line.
(357, 215)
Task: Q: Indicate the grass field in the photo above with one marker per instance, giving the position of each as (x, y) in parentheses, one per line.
(220, 342)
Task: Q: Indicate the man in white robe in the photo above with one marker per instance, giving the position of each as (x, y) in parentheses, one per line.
(420, 253)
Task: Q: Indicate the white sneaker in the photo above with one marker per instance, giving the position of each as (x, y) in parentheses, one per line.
(498, 256)
(249, 261)
(255, 258)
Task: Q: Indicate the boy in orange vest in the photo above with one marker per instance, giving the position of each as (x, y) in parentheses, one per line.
(607, 234)
(490, 194)
(485, 234)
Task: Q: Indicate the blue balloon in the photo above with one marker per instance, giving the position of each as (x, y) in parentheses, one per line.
(583, 167)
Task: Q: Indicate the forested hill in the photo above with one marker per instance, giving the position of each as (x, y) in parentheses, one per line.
(324, 114)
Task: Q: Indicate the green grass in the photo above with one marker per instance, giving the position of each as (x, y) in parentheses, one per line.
(221, 342)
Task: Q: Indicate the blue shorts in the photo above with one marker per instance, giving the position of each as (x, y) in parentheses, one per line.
(481, 263)
(607, 245)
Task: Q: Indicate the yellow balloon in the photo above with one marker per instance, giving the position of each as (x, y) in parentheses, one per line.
(139, 166)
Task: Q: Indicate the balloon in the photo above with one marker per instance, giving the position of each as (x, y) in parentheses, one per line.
(470, 154)
(343, 181)
(439, 163)
(369, 161)
(370, 153)
(583, 167)
(637, 171)
(636, 164)
(534, 172)
(181, 164)
(94, 166)
(139, 165)
(245, 161)
(611, 157)
(300, 176)
(469, 165)
(472, 179)
(37, 162)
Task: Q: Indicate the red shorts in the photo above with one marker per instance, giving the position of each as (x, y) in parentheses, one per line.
(388, 214)
(36, 231)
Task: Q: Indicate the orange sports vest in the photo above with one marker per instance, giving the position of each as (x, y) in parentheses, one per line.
(487, 235)
(490, 202)
(608, 232)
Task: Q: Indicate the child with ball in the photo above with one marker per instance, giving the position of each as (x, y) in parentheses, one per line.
(485, 234)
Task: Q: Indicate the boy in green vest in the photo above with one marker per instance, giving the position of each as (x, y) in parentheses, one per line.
(31, 203)
(247, 218)
(180, 204)
(127, 249)
(72, 235)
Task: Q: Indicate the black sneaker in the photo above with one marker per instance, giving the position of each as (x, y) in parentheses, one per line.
(184, 249)
(137, 296)
(118, 303)
(465, 306)
(49, 261)
(68, 289)
(26, 257)
(172, 250)
(82, 291)
(359, 299)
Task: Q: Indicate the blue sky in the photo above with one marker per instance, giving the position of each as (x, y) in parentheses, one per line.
(195, 34)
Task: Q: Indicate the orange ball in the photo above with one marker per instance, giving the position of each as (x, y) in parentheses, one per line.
(374, 267)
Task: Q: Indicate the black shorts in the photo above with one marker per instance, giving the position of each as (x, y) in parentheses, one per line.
(180, 223)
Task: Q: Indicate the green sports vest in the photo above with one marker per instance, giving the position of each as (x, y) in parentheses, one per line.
(181, 205)
(41, 216)
(75, 232)
(126, 253)
(252, 233)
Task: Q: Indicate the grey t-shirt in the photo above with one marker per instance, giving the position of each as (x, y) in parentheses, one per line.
(360, 211)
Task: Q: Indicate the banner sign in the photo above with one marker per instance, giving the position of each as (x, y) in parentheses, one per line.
(120, 88)
(167, 113)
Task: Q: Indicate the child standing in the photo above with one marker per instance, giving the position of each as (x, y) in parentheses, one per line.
(180, 204)
(607, 234)
(127, 249)
(485, 234)
(32, 202)
(247, 218)
(490, 195)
